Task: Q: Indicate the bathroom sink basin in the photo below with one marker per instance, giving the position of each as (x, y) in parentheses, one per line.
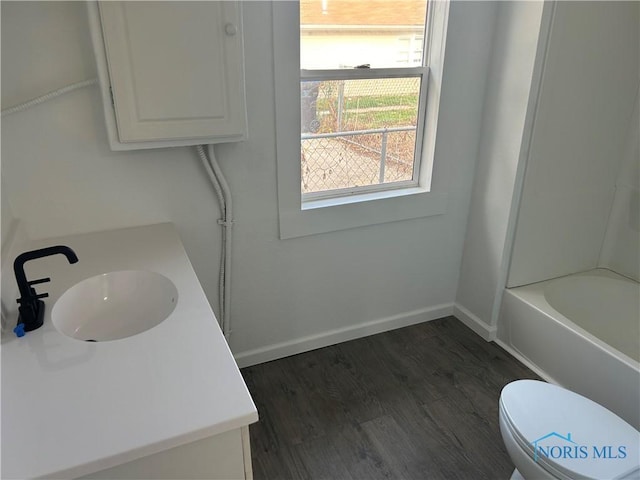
(114, 305)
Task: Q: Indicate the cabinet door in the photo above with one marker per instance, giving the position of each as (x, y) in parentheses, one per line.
(222, 457)
(175, 69)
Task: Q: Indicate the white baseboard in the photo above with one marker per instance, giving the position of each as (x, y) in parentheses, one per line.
(526, 362)
(474, 323)
(339, 335)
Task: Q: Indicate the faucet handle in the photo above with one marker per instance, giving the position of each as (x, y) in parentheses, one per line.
(32, 291)
(31, 298)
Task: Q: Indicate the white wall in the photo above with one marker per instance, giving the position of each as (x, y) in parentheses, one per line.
(62, 178)
(586, 101)
(621, 246)
(508, 89)
(7, 215)
(8, 233)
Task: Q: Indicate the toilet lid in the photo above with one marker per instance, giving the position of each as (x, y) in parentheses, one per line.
(568, 434)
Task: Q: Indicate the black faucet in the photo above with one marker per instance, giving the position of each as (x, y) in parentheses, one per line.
(31, 307)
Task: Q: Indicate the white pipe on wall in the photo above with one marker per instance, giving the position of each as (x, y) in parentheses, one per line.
(48, 96)
(223, 193)
(227, 224)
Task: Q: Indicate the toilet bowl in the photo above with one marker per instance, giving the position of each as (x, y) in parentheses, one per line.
(553, 433)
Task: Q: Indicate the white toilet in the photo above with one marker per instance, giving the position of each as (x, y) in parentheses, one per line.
(552, 433)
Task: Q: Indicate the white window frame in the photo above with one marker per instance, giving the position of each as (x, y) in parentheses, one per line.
(422, 198)
(367, 74)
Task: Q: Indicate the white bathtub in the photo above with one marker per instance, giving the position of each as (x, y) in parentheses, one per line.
(583, 332)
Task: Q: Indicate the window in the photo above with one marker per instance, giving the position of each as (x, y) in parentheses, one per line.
(306, 101)
(410, 50)
(362, 95)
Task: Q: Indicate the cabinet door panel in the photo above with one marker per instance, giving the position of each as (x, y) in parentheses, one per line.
(219, 457)
(175, 69)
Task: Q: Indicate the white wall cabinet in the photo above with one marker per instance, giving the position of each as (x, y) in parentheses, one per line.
(171, 73)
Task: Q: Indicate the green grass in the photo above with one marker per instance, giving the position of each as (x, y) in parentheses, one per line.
(356, 113)
(381, 101)
(353, 103)
(368, 120)
(387, 118)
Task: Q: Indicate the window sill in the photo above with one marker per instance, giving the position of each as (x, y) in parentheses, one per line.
(360, 197)
(330, 215)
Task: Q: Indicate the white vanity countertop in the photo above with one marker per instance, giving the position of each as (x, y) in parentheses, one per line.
(71, 408)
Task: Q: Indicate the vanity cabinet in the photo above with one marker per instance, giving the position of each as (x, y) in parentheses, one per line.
(168, 402)
(171, 73)
(225, 456)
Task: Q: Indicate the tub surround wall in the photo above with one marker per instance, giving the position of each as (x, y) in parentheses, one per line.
(61, 178)
(503, 129)
(590, 79)
(620, 249)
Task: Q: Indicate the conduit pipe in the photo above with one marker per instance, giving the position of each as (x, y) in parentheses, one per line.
(48, 96)
(223, 194)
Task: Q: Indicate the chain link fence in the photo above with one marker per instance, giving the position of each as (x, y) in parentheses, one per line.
(358, 132)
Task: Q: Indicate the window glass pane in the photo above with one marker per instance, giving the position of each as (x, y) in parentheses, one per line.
(348, 33)
(358, 132)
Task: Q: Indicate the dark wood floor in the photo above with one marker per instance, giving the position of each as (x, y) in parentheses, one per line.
(420, 402)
